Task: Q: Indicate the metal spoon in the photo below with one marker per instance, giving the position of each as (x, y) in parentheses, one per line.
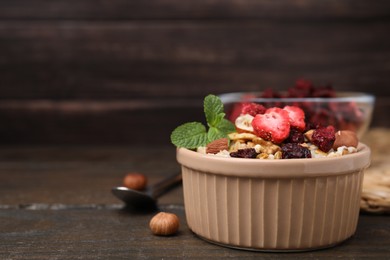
(149, 196)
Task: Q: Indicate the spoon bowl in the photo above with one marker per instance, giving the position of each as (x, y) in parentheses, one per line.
(134, 197)
(149, 196)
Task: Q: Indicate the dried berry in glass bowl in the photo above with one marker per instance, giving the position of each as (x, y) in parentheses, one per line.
(323, 106)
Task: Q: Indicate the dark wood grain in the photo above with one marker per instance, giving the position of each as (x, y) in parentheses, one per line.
(46, 175)
(119, 122)
(115, 234)
(55, 203)
(205, 9)
(103, 60)
(97, 124)
(103, 71)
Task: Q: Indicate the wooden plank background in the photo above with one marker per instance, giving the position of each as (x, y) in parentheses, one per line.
(128, 72)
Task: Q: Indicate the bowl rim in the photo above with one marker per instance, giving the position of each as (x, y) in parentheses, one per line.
(283, 168)
(343, 96)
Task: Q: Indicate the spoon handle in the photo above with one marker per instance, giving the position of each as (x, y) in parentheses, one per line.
(164, 185)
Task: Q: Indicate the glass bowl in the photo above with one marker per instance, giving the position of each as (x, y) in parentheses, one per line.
(347, 111)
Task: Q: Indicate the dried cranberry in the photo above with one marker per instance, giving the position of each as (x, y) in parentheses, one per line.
(302, 88)
(326, 91)
(244, 153)
(348, 112)
(295, 136)
(324, 138)
(294, 150)
(341, 116)
(235, 110)
(252, 109)
(270, 93)
(321, 118)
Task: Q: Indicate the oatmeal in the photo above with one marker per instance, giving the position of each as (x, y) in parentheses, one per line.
(262, 133)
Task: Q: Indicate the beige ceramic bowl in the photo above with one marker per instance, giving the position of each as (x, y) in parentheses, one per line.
(273, 205)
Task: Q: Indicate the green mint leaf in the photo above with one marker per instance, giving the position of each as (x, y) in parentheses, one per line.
(214, 134)
(213, 109)
(193, 135)
(217, 120)
(224, 128)
(189, 135)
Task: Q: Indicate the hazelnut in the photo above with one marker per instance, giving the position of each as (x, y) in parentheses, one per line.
(345, 138)
(164, 224)
(135, 181)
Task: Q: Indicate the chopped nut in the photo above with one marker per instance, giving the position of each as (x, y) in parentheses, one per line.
(320, 152)
(250, 145)
(217, 145)
(262, 156)
(266, 146)
(345, 151)
(309, 134)
(278, 155)
(304, 145)
(236, 145)
(241, 136)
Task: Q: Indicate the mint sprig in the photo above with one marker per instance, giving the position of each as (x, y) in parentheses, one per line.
(189, 135)
(194, 134)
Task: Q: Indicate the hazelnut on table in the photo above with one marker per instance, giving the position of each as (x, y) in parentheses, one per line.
(164, 224)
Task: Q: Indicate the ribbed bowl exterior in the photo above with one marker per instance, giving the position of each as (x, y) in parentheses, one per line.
(257, 213)
(272, 214)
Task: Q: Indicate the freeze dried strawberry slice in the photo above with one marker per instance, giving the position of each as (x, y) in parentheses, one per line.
(297, 117)
(273, 125)
(252, 109)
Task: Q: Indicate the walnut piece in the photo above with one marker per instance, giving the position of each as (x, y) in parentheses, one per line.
(266, 146)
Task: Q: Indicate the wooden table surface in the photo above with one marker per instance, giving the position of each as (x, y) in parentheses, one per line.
(55, 203)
